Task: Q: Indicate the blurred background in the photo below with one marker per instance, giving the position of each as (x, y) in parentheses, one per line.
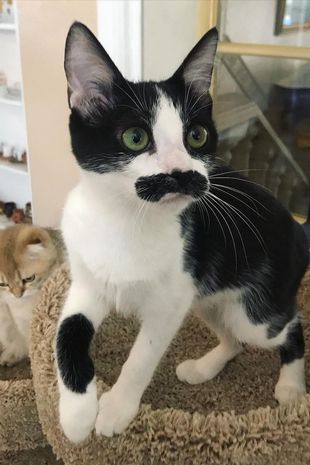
(261, 88)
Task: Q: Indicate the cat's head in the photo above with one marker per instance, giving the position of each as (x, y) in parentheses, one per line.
(154, 141)
(27, 255)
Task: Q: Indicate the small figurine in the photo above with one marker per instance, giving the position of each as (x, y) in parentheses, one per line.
(13, 157)
(16, 155)
(6, 11)
(18, 215)
(6, 151)
(28, 210)
(9, 207)
(1, 207)
(24, 157)
(3, 83)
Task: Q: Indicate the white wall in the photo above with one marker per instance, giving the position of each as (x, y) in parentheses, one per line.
(169, 32)
(9, 55)
(14, 187)
(13, 126)
(43, 28)
(253, 21)
(12, 118)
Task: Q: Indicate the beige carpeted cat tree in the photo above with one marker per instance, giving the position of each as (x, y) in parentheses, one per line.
(230, 420)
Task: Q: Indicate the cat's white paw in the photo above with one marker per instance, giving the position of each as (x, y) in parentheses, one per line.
(208, 366)
(285, 393)
(291, 384)
(115, 413)
(13, 354)
(189, 372)
(78, 412)
(198, 371)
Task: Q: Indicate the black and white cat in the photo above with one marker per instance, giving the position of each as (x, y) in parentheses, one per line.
(157, 226)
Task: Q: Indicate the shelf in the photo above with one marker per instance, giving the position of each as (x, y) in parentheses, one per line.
(14, 168)
(7, 27)
(11, 101)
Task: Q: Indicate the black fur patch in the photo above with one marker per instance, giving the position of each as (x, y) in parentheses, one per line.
(306, 227)
(73, 341)
(294, 346)
(245, 239)
(99, 147)
(153, 188)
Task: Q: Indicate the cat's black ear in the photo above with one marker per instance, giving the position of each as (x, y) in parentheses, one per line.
(90, 72)
(196, 69)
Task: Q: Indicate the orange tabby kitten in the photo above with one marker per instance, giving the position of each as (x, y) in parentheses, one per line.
(28, 254)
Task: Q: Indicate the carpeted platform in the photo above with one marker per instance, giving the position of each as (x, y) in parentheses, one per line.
(230, 420)
(37, 456)
(21, 439)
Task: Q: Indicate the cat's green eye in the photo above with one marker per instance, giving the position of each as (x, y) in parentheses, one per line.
(135, 139)
(3, 285)
(29, 279)
(197, 136)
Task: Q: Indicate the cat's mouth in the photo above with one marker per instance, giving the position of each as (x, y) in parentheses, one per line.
(178, 184)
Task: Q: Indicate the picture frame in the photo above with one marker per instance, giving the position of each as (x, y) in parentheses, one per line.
(292, 15)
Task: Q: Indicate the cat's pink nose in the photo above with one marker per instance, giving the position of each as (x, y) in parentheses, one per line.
(175, 160)
(17, 291)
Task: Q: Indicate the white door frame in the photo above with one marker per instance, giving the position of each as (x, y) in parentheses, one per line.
(119, 29)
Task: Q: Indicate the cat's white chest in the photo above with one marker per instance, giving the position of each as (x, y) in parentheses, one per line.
(119, 251)
(21, 310)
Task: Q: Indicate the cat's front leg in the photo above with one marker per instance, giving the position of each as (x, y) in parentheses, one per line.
(82, 314)
(161, 318)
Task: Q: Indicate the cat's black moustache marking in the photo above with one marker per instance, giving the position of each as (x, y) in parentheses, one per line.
(153, 188)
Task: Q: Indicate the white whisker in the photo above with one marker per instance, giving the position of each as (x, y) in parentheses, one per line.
(246, 220)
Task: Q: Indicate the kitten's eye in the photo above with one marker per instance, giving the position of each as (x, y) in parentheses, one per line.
(197, 136)
(29, 279)
(135, 139)
(3, 285)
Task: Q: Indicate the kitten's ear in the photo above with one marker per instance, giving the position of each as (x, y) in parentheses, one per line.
(196, 69)
(34, 248)
(33, 242)
(90, 71)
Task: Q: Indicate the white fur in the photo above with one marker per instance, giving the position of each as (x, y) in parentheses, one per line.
(128, 254)
(225, 314)
(114, 267)
(210, 365)
(291, 384)
(225, 310)
(170, 151)
(77, 412)
(35, 250)
(15, 319)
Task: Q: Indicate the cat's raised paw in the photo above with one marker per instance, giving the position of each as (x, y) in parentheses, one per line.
(285, 394)
(115, 413)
